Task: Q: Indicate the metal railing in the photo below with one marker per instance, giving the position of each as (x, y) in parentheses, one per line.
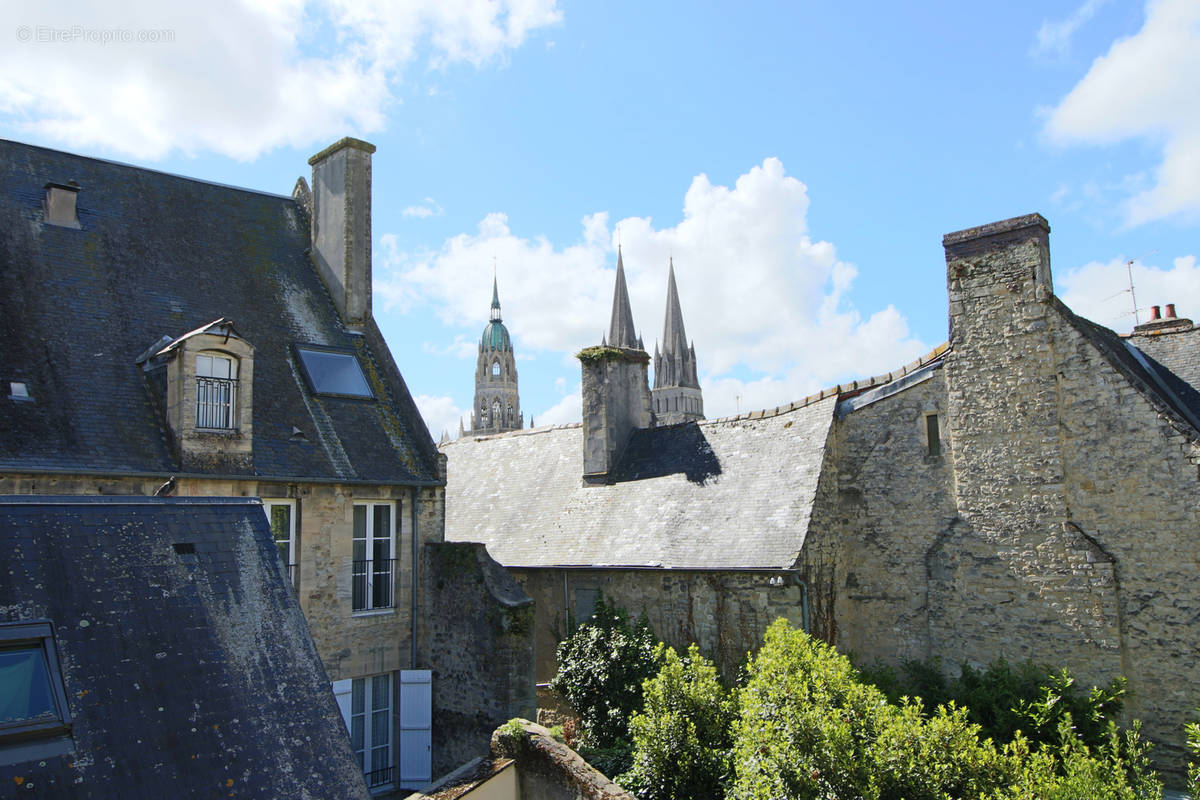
(216, 402)
(373, 584)
(379, 777)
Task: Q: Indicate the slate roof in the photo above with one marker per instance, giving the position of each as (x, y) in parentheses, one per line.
(1176, 349)
(1174, 397)
(186, 674)
(722, 494)
(160, 255)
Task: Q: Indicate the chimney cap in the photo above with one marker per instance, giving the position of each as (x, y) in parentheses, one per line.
(342, 144)
(69, 186)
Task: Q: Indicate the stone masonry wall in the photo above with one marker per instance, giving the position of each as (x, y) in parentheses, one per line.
(482, 643)
(883, 502)
(725, 613)
(1076, 543)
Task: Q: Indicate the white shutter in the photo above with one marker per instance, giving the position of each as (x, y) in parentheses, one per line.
(416, 724)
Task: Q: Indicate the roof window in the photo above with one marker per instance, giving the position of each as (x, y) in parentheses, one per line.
(333, 372)
(60, 204)
(34, 719)
(18, 390)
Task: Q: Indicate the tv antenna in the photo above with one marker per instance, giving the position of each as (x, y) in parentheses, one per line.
(1133, 297)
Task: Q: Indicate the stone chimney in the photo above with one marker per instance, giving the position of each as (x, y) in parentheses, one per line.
(341, 225)
(60, 204)
(616, 390)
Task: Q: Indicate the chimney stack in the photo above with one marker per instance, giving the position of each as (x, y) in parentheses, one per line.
(1155, 315)
(341, 225)
(616, 389)
(1170, 311)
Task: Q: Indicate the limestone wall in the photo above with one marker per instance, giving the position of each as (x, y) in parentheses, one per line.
(482, 650)
(1077, 539)
(724, 612)
(884, 498)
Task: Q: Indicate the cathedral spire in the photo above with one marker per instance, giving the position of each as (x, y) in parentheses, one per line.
(674, 338)
(620, 330)
(676, 396)
(495, 300)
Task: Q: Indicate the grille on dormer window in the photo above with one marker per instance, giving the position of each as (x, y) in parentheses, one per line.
(216, 392)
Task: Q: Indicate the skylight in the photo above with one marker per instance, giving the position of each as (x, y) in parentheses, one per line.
(334, 372)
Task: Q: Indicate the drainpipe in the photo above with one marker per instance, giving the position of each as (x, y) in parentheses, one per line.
(415, 572)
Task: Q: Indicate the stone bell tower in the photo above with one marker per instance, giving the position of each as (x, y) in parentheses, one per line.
(497, 407)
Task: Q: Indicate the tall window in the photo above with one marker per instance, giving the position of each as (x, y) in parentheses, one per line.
(216, 391)
(933, 436)
(374, 562)
(495, 369)
(281, 514)
(371, 727)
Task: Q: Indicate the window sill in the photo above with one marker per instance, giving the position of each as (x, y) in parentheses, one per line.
(373, 612)
(219, 431)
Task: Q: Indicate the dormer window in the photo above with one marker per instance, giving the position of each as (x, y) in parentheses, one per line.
(216, 391)
(209, 402)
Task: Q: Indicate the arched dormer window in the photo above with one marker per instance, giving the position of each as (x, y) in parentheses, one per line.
(216, 390)
(495, 370)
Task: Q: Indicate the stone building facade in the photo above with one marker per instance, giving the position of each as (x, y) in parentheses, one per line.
(168, 336)
(1027, 490)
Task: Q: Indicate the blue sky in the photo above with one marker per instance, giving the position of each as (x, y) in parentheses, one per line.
(800, 161)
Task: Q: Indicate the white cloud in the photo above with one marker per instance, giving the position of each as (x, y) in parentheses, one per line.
(236, 78)
(1100, 290)
(568, 409)
(1055, 37)
(426, 209)
(441, 415)
(759, 295)
(461, 347)
(1146, 88)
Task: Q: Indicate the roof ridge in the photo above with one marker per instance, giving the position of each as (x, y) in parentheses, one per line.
(139, 168)
(854, 387)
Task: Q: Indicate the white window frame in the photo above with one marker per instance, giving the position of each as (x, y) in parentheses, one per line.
(371, 723)
(292, 559)
(371, 574)
(211, 402)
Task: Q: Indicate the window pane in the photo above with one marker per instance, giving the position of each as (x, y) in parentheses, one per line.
(360, 533)
(383, 521)
(281, 522)
(24, 684)
(334, 373)
(204, 366)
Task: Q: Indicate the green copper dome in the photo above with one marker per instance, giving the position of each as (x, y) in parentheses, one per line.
(495, 336)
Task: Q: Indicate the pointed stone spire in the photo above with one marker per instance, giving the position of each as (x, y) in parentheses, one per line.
(495, 301)
(676, 394)
(674, 338)
(620, 330)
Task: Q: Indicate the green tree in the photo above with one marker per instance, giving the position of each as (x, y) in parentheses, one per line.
(808, 727)
(681, 740)
(601, 667)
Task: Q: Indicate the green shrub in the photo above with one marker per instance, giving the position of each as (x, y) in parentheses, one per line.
(601, 667)
(681, 740)
(1193, 745)
(1004, 698)
(809, 728)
